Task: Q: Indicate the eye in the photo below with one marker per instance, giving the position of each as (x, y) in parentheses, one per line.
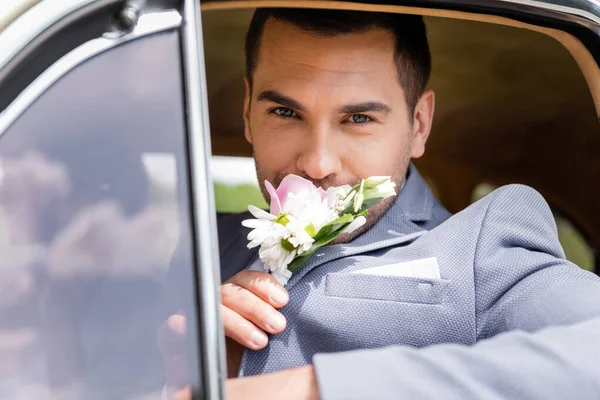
(284, 112)
(359, 119)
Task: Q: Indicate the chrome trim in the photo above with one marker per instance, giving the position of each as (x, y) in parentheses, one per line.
(40, 21)
(586, 14)
(147, 25)
(550, 6)
(583, 13)
(204, 227)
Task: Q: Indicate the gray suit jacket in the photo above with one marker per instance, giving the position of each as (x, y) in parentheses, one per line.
(510, 318)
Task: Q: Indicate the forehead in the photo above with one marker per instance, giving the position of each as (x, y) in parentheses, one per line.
(289, 53)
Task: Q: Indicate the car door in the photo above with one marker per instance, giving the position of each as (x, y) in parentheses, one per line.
(106, 208)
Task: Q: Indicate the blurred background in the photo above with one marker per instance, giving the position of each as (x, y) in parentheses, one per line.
(512, 106)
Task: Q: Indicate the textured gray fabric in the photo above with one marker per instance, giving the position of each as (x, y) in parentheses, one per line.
(510, 318)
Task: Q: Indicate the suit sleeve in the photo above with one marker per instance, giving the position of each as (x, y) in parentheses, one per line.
(538, 324)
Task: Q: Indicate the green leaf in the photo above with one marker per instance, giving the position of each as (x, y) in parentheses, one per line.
(287, 245)
(359, 197)
(326, 235)
(297, 263)
(326, 240)
(343, 219)
(326, 230)
(354, 189)
(370, 203)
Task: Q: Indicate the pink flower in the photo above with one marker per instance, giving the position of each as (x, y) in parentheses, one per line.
(290, 184)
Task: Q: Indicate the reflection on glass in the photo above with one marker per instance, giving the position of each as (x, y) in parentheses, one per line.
(92, 200)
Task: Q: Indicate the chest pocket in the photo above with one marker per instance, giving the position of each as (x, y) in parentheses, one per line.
(386, 288)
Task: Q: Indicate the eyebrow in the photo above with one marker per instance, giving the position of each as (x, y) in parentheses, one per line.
(276, 97)
(368, 106)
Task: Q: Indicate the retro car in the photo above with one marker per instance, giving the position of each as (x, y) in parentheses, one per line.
(121, 136)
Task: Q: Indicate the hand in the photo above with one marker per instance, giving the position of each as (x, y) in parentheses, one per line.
(292, 384)
(249, 308)
(249, 302)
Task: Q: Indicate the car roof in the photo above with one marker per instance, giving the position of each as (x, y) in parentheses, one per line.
(11, 10)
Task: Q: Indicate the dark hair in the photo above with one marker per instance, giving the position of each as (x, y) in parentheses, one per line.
(412, 50)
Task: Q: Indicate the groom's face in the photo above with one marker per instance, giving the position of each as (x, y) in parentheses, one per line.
(331, 108)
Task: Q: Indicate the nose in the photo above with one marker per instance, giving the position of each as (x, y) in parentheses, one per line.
(320, 156)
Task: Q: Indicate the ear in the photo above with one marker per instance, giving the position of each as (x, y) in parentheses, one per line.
(247, 98)
(422, 121)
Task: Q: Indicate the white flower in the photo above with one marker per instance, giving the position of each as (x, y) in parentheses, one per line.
(297, 235)
(300, 211)
(282, 276)
(309, 207)
(373, 181)
(265, 230)
(354, 225)
(380, 191)
(338, 198)
(359, 198)
(373, 190)
(275, 257)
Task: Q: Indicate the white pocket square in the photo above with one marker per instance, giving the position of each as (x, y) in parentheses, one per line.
(425, 268)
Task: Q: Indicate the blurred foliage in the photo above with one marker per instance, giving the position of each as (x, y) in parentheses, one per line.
(576, 248)
(229, 199)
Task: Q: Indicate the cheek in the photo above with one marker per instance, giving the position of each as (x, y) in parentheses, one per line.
(274, 147)
(375, 155)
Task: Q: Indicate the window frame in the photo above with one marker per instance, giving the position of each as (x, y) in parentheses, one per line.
(49, 20)
(204, 226)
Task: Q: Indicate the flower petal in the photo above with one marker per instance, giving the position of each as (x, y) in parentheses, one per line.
(281, 276)
(322, 194)
(354, 225)
(275, 206)
(260, 213)
(373, 181)
(292, 184)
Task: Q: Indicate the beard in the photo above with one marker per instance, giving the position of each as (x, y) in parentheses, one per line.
(375, 213)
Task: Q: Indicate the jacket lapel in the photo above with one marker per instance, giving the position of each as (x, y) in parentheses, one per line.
(233, 251)
(398, 226)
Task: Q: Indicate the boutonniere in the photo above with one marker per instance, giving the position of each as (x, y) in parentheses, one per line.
(303, 218)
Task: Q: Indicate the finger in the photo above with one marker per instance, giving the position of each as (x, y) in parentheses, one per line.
(263, 285)
(242, 331)
(182, 394)
(171, 334)
(173, 329)
(172, 346)
(252, 308)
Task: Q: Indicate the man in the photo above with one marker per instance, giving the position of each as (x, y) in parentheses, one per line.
(338, 96)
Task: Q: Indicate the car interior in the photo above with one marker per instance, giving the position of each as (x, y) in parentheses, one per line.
(512, 106)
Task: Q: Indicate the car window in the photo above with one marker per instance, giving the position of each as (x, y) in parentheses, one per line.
(93, 212)
(514, 115)
(235, 184)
